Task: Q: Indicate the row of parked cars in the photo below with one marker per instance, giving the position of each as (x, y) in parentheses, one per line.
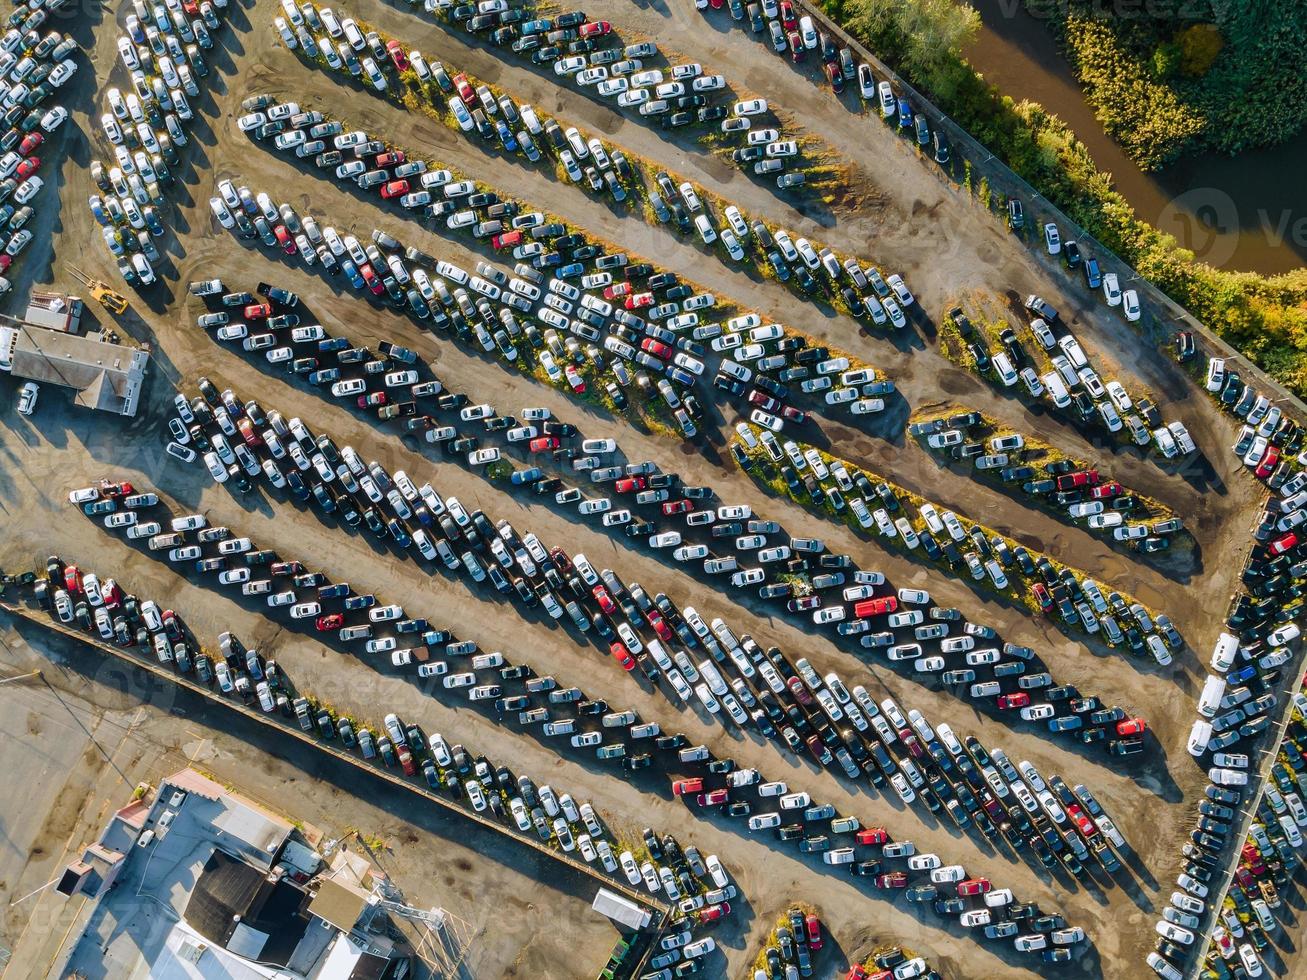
(823, 481)
(33, 67)
(639, 481)
(1065, 485)
(1070, 381)
(818, 828)
(163, 50)
(801, 723)
(544, 315)
(1249, 663)
(237, 670)
(797, 36)
(588, 162)
(894, 963)
(390, 747)
(791, 947)
(635, 78)
(1267, 862)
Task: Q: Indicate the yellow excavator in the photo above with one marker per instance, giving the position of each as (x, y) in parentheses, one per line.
(111, 300)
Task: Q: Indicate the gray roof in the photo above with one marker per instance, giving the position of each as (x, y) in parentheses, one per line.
(107, 377)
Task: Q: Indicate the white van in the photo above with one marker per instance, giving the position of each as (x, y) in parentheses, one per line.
(1056, 389)
(1199, 736)
(1227, 645)
(1210, 699)
(1004, 369)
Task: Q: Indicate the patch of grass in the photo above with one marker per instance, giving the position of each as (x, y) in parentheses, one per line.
(782, 922)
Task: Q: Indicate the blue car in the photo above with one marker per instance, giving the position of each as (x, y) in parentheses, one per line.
(522, 477)
(570, 271)
(1065, 724)
(905, 113)
(352, 273)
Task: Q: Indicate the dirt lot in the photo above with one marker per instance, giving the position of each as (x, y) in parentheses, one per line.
(94, 731)
(918, 224)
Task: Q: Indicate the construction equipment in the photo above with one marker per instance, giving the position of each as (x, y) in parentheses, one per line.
(111, 300)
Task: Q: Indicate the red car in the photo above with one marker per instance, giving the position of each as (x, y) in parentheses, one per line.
(891, 879)
(112, 491)
(507, 240)
(406, 760)
(856, 972)
(714, 912)
(813, 926)
(1280, 545)
(334, 621)
(72, 579)
(596, 28)
(1268, 463)
(284, 240)
(794, 414)
(604, 599)
(1131, 726)
(876, 607)
(796, 46)
(374, 400)
(543, 444)
(684, 787)
(28, 167)
(574, 379)
(639, 300)
(112, 594)
(1042, 596)
(788, 20)
(973, 886)
(622, 655)
(394, 189)
(249, 433)
(617, 290)
(1081, 478)
(397, 55)
(1107, 491)
(370, 277)
(713, 798)
(800, 692)
(872, 835)
(30, 142)
(6, 260)
(630, 484)
(673, 507)
(659, 625)
(389, 158)
(465, 90)
(763, 400)
(1018, 700)
(656, 347)
(1082, 821)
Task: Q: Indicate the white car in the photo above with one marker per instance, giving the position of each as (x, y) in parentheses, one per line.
(1111, 289)
(1130, 305)
(27, 398)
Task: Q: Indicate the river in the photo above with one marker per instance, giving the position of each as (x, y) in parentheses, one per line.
(1247, 212)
